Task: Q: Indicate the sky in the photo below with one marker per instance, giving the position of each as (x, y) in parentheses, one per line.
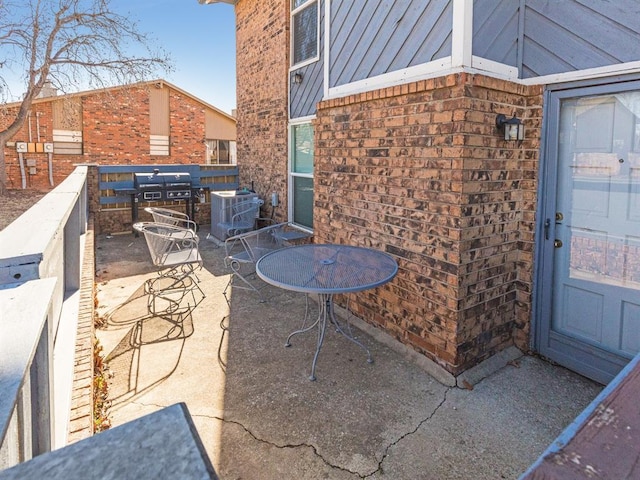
(200, 40)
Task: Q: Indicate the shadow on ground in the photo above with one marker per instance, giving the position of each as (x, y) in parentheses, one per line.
(259, 416)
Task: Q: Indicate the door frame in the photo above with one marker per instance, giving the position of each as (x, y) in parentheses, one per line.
(603, 366)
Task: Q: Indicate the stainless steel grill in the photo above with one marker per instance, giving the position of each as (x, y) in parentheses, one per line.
(162, 186)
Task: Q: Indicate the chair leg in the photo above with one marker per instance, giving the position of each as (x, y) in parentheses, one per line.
(181, 271)
(237, 273)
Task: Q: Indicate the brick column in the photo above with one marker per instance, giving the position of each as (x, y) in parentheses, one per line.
(262, 36)
(420, 171)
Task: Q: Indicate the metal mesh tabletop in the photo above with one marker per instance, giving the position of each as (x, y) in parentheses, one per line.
(326, 269)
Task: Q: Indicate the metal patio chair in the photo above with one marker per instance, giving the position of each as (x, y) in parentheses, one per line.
(171, 217)
(242, 216)
(174, 251)
(242, 251)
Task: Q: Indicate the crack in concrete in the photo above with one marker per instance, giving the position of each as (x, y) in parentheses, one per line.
(324, 460)
(407, 434)
(313, 447)
(142, 404)
(291, 445)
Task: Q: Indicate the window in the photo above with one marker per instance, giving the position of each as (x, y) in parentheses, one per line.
(304, 27)
(301, 175)
(221, 152)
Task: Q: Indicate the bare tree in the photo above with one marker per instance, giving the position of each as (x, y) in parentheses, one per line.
(68, 44)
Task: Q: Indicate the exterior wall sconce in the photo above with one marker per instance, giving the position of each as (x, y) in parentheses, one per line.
(513, 127)
(297, 78)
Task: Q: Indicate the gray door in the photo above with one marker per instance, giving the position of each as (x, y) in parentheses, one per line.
(589, 281)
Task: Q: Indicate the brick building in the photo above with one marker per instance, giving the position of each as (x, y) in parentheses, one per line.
(378, 126)
(149, 123)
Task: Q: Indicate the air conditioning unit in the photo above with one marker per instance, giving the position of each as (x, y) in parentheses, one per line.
(221, 209)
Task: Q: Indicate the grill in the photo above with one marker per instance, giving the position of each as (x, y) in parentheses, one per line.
(162, 186)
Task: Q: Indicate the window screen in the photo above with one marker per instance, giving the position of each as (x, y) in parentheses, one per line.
(305, 31)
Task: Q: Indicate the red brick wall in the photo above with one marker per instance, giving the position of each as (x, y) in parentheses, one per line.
(262, 37)
(39, 181)
(528, 164)
(497, 247)
(187, 121)
(420, 171)
(116, 127)
(115, 131)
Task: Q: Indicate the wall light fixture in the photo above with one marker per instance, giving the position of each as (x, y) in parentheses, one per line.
(513, 127)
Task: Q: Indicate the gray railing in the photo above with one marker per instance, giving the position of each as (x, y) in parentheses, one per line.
(40, 272)
(163, 444)
(40, 266)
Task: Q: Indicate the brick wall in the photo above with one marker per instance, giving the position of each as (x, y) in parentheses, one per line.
(116, 127)
(81, 420)
(262, 36)
(41, 122)
(187, 120)
(420, 171)
(115, 131)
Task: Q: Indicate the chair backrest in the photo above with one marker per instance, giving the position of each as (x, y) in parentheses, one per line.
(242, 251)
(244, 215)
(171, 217)
(170, 245)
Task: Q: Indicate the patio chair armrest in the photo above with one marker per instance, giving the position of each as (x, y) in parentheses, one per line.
(190, 224)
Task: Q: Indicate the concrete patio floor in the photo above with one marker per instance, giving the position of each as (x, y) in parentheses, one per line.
(259, 416)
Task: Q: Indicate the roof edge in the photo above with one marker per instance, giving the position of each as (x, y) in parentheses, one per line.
(209, 2)
(148, 83)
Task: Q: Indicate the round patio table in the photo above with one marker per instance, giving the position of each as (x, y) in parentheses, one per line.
(326, 270)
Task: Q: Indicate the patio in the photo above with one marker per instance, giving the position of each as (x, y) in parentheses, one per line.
(259, 416)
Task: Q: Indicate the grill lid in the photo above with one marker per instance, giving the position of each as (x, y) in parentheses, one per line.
(160, 181)
(147, 180)
(177, 179)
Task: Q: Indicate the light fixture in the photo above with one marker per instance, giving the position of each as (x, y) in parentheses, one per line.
(513, 127)
(297, 78)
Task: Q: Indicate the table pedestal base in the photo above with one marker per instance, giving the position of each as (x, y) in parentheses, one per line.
(325, 313)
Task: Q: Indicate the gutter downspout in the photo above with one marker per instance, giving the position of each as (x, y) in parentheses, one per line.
(22, 172)
(50, 155)
(38, 126)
